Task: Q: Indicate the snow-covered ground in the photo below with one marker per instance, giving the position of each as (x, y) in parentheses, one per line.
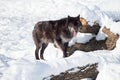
(17, 20)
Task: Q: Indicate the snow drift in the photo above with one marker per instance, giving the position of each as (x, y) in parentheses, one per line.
(17, 19)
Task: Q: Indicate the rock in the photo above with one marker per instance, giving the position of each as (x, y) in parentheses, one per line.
(88, 71)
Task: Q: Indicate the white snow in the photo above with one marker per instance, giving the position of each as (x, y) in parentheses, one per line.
(81, 38)
(110, 72)
(17, 20)
(86, 79)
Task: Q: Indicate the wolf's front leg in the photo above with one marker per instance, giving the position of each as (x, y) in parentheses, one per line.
(65, 47)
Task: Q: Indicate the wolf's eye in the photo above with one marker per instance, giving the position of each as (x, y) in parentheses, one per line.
(65, 30)
(75, 23)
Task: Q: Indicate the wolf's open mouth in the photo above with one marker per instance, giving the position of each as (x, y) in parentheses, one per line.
(74, 34)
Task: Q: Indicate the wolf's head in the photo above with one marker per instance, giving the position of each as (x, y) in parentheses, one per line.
(73, 25)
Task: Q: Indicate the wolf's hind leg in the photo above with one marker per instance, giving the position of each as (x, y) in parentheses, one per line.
(44, 45)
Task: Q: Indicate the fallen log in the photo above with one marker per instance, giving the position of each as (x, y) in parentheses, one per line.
(108, 44)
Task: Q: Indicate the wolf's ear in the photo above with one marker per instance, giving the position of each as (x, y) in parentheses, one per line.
(78, 16)
(68, 17)
(67, 20)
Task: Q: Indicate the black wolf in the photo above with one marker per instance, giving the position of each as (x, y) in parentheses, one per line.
(59, 32)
